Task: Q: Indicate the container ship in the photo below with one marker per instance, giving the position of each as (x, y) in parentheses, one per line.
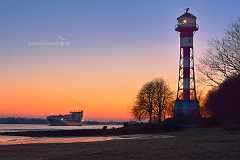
(71, 119)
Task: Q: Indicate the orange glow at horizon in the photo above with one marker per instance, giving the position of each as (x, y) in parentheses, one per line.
(91, 56)
(103, 87)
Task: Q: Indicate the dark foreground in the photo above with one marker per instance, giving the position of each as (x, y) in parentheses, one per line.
(189, 144)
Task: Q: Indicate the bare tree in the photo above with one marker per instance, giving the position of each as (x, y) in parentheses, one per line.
(163, 96)
(139, 111)
(152, 99)
(144, 104)
(222, 59)
(168, 111)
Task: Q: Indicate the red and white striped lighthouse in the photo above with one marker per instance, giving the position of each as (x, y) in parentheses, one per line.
(186, 105)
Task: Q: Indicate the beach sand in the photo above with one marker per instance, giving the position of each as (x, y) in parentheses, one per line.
(194, 144)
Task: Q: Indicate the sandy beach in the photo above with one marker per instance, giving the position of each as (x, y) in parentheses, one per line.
(189, 144)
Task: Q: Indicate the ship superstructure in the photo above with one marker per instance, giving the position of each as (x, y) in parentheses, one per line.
(71, 119)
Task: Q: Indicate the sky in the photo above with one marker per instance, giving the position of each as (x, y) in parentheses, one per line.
(58, 55)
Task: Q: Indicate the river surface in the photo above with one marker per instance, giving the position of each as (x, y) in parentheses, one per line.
(7, 140)
(12, 140)
(45, 127)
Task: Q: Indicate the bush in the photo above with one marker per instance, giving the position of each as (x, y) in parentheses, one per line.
(223, 102)
(209, 122)
(170, 124)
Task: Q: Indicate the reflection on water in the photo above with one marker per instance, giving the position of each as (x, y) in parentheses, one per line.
(9, 140)
(33, 127)
(143, 136)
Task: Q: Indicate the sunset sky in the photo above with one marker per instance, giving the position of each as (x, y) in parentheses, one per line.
(59, 54)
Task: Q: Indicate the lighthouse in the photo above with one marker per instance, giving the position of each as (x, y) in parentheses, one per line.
(186, 105)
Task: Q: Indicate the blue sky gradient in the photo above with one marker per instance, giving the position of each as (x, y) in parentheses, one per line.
(125, 41)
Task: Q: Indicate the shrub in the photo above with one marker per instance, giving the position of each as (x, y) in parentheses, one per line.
(223, 102)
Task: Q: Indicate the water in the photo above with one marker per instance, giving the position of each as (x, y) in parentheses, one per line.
(44, 127)
(11, 140)
(7, 140)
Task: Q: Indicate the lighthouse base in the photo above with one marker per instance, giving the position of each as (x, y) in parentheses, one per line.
(187, 111)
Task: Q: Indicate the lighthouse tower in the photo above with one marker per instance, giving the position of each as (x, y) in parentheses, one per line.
(186, 106)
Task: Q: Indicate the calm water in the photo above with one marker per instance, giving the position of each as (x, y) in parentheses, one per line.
(8, 140)
(27, 127)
